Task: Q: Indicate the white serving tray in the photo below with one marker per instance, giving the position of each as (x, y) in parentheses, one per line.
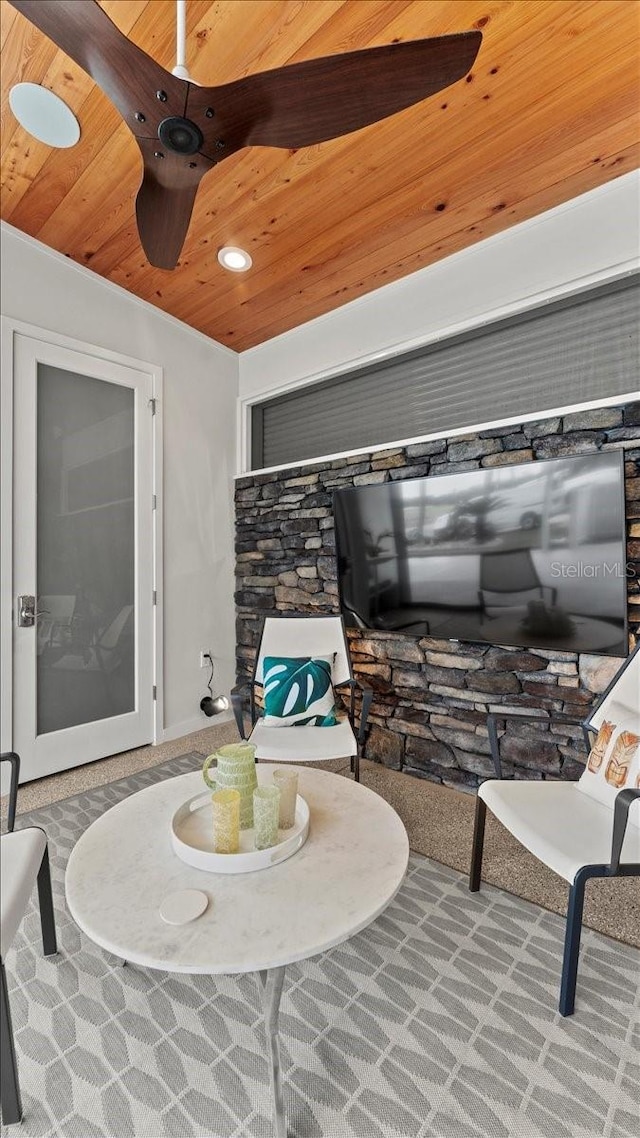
(192, 839)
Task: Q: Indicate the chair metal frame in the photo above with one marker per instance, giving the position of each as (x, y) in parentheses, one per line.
(239, 691)
(9, 1083)
(614, 868)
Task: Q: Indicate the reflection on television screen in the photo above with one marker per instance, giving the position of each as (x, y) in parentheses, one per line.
(531, 554)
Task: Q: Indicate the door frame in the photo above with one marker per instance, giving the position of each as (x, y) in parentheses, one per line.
(9, 329)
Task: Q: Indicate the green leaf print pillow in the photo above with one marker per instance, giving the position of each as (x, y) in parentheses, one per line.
(298, 692)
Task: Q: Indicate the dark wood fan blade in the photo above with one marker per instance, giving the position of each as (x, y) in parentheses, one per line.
(165, 202)
(310, 102)
(129, 76)
(293, 106)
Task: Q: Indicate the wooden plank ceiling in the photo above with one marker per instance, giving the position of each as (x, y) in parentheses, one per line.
(549, 111)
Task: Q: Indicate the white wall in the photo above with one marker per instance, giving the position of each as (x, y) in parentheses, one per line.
(585, 240)
(588, 239)
(199, 413)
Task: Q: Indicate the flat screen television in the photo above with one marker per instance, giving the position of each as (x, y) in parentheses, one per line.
(530, 554)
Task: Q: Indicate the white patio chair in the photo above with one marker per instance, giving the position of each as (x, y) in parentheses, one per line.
(24, 860)
(580, 830)
(306, 636)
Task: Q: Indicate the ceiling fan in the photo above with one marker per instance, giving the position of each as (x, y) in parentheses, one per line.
(184, 130)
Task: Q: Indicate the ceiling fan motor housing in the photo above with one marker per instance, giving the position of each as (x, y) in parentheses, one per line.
(180, 135)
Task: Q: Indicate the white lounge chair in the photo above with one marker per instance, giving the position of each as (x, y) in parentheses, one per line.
(311, 637)
(583, 829)
(24, 860)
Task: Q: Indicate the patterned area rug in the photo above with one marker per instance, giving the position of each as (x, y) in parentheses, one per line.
(438, 1021)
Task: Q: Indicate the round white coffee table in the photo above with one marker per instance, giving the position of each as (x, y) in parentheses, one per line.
(349, 869)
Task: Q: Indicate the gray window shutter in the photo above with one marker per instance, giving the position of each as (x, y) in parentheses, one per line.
(579, 349)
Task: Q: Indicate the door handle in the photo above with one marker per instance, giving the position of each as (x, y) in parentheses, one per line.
(26, 611)
(27, 614)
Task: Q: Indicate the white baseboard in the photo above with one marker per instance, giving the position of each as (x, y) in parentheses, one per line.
(188, 726)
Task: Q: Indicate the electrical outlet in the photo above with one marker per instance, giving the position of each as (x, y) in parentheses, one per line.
(205, 658)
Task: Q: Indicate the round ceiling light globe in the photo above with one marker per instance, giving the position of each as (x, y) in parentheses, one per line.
(44, 115)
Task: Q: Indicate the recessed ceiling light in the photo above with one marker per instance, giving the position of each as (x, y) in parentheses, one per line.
(231, 257)
(45, 115)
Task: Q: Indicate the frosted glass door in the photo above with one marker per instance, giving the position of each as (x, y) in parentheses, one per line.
(85, 549)
(83, 557)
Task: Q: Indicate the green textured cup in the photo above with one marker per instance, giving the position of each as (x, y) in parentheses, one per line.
(226, 820)
(266, 809)
(235, 770)
(287, 782)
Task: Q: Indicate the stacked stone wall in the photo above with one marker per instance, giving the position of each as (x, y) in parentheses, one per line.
(431, 697)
